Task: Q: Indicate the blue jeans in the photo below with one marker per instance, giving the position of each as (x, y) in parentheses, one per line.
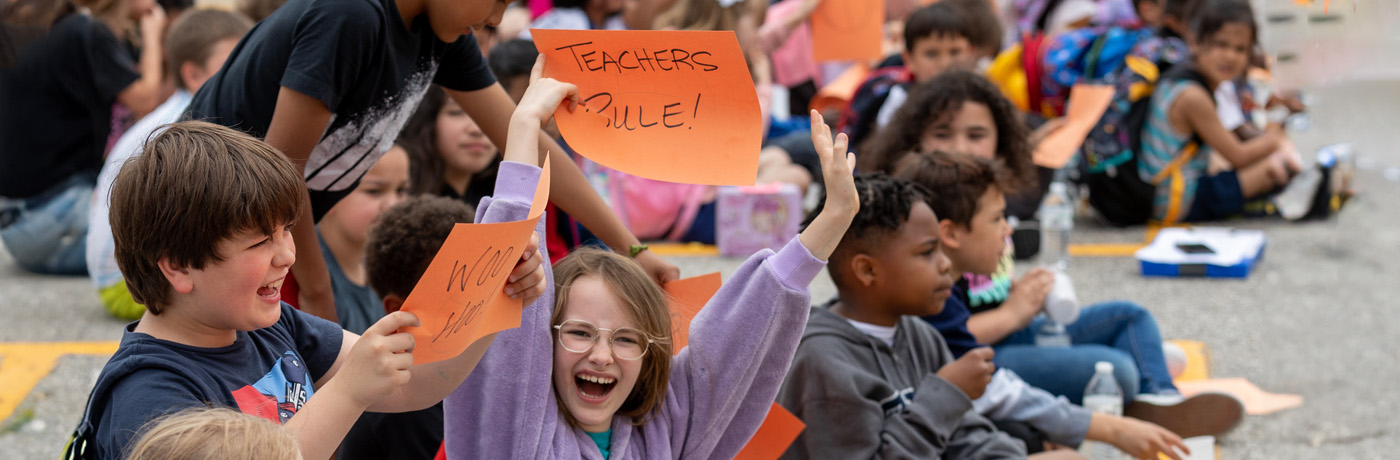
(1122, 333)
(48, 233)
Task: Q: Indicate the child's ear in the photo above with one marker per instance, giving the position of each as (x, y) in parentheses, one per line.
(950, 234)
(863, 269)
(178, 275)
(392, 303)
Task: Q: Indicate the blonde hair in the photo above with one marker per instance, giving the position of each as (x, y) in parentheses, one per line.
(208, 433)
(646, 305)
(708, 14)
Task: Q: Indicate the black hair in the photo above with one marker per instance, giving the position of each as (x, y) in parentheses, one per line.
(984, 31)
(425, 163)
(1182, 10)
(1215, 14)
(513, 58)
(404, 239)
(936, 20)
(885, 205)
(938, 100)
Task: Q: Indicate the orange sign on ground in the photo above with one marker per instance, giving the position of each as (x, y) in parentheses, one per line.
(848, 30)
(677, 106)
(780, 428)
(460, 297)
(1086, 104)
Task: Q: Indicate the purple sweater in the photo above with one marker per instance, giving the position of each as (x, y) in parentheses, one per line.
(721, 386)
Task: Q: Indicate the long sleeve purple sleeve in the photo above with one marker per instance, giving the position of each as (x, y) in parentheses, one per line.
(721, 386)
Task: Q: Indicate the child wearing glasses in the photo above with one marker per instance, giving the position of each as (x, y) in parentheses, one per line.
(589, 372)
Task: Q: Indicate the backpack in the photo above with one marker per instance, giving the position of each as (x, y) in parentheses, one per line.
(859, 119)
(651, 209)
(1017, 72)
(1109, 156)
(82, 443)
(1090, 55)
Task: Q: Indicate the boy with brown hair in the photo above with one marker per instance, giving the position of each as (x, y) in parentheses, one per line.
(966, 192)
(202, 224)
(196, 44)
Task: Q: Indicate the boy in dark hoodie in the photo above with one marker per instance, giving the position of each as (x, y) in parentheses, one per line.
(872, 380)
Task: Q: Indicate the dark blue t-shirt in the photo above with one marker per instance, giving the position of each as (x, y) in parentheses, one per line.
(952, 321)
(355, 56)
(268, 373)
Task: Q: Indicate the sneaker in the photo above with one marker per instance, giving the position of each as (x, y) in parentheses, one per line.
(1212, 414)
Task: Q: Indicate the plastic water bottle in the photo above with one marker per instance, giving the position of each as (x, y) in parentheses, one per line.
(1061, 308)
(1102, 396)
(1056, 221)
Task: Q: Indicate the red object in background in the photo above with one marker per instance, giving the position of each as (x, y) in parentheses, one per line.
(554, 240)
(290, 288)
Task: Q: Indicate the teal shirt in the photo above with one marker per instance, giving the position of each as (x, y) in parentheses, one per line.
(603, 440)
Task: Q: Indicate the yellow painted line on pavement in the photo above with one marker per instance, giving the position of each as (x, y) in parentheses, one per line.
(1104, 250)
(24, 364)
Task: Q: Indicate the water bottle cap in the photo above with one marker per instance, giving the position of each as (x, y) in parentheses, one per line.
(1103, 367)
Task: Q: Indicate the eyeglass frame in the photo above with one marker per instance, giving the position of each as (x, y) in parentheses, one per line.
(645, 348)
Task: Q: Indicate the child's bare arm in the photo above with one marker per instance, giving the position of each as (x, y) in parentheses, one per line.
(492, 109)
(369, 367)
(842, 201)
(297, 124)
(143, 95)
(1195, 109)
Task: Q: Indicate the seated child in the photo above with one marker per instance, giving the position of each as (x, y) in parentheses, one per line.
(197, 44)
(1183, 127)
(449, 154)
(210, 433)
(402, 241)
(344, 231)
(207, 258)
(872, 380)
(552, 389)
(967, 196)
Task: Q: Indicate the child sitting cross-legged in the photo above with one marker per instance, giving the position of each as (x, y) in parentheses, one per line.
(871, 379)
(207, 258)
(590, 374)
(967, 195)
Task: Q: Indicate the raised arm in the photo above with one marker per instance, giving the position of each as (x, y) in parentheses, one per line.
(742, 342)
(491, 107)
(297, 124)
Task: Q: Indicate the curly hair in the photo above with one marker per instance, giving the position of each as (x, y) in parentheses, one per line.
(955, 182)
(885, 205)
(937, 101)
(404, 239)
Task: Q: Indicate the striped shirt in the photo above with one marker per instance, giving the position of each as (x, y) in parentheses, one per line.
(1162, 142)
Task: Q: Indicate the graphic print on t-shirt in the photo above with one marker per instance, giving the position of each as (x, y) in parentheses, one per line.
(279, 393)
(898, 401)
(348, 151)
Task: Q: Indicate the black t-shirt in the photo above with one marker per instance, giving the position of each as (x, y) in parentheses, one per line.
(355, 56)
(56, 104)
(268, 372)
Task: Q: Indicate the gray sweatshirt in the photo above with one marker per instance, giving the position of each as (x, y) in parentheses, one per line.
(863, 399)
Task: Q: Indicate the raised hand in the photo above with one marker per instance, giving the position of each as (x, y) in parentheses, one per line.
(842, 201)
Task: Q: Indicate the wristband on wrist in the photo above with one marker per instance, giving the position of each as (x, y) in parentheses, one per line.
(635, 249)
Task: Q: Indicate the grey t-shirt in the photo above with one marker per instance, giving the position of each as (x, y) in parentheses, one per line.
(357, 305)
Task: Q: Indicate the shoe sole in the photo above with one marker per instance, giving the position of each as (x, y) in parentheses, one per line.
(1212, 414)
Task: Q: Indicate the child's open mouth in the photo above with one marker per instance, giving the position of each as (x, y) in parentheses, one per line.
(594, 389)
(271, 290)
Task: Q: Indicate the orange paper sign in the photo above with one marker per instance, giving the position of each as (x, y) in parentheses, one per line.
(848, 30)
(1086, 104)
(460, 297)
(780, 428)
(774, 437)
(676, 106)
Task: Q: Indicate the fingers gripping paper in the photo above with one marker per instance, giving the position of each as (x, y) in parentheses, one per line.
(780, 428)
(460, 297)
(676, 106)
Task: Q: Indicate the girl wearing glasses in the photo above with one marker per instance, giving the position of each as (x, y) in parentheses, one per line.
(590, 374)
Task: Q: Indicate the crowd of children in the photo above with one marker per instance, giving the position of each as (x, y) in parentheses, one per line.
(260, 199)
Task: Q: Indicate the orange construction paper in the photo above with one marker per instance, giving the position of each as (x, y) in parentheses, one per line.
(1086, 104)
(1256, 401)
(460, 297)
(774, 437)
(687, 297)
(837, 94)
(848, 30)
(676, 106)
(780, 428)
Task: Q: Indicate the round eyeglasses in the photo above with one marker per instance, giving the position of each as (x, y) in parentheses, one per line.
(580, 336)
